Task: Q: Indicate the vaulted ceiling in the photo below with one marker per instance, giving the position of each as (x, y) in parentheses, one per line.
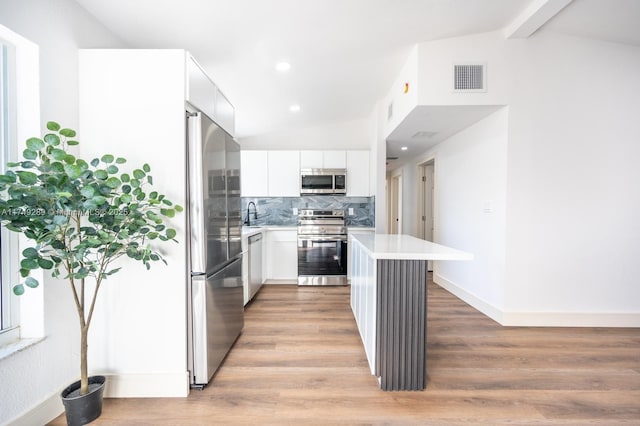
(344, 54)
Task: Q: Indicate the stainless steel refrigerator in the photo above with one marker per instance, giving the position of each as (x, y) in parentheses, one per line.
(216, 308)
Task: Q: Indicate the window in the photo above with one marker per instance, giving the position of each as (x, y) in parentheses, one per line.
(9, 312)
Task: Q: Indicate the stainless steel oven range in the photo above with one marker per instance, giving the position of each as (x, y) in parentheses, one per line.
(322, 247)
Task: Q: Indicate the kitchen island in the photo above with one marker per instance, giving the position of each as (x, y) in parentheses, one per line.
(389, 302)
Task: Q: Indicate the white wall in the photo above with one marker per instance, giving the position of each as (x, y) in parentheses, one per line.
(573, 238)
(132, 105)
(401, 102)
(470, 176)
(345, 135)
(35, 376)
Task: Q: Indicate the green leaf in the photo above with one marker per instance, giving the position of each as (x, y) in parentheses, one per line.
(171, 233)
(64, 194)
(29, 154)
(95, 162)
(121, 160)
(52, 125)
(125, 198)
(69, 159)
(45, 263)
(30, 253)
(72, 171)
(146, 168)
(28, 164)
(101, 174)
(153, 195)
(88, 191)
(18, 290)
(73, 143)
(107, 158)
(24, 273)
(152, 235)
(35, 144)
(150, 179)
(112, 169)
(29, 264)
(168, 212)
(31, 282)
(138, 174)
(58, 154)
(113, 182)
(51, 139)
(69, 133)
(27, 178)
(125, 177)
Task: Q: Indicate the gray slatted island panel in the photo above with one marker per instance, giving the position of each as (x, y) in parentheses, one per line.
(389, 303)
(401, 347)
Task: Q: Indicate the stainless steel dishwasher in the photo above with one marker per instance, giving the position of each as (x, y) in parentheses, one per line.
(255, 264)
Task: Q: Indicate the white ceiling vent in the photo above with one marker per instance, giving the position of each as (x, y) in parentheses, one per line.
(469, 77)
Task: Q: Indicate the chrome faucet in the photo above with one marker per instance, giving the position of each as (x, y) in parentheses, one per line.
(255, 213)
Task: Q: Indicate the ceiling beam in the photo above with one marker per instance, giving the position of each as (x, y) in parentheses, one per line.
(533, 17)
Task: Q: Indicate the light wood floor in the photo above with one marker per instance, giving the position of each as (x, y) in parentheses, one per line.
(300, 361)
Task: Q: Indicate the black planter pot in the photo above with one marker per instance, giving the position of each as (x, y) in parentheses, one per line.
(83, 409)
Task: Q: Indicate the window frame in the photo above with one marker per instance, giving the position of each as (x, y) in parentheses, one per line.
(9, 246)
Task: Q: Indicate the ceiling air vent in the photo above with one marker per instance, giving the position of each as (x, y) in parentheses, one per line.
(469, 77)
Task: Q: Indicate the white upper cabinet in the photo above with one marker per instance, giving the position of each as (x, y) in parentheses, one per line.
(358, 175)
(254, 174)
(323, 160)
(284, 173)
(334, 159)
(206, 96)
(311, 160)
(225, 113)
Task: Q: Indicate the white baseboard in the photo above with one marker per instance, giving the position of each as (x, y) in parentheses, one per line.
(571, 319)
(541, 319)
(47, 410)
(146, 385)
(118, 386)
(473, 300)
(279, 282)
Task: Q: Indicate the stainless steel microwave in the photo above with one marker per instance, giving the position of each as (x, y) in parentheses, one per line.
(323, 181)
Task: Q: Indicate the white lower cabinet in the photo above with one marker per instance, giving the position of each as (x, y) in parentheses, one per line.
(281, 255)
(351, 231)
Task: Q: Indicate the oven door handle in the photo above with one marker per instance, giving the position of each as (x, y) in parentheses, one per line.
(341, 238)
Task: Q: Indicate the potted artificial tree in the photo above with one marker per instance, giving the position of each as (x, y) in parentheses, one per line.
(81, 216)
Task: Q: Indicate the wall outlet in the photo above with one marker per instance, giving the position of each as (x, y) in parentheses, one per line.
(295, 211)
(350, 211)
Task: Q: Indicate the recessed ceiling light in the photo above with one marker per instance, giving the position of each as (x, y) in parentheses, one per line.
(404, 148)
(283, 66)
(294, 108)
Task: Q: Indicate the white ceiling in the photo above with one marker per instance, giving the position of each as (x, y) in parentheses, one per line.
(344, 54)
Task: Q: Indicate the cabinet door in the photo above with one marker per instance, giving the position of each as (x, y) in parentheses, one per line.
(201, 91)
(282, 255)
(358, 174)
(284, 173)
(311, 159)
(334, 160)
(254, 174)
(225, 114)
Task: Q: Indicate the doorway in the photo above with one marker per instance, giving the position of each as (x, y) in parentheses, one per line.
(426, 208)
(394, 224)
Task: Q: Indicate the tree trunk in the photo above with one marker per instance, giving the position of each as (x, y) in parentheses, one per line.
(84, 377)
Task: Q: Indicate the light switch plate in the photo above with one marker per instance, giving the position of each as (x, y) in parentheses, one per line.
(295, 211)
(350, 211)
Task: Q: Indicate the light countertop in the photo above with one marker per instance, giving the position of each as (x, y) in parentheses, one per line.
(406, 247)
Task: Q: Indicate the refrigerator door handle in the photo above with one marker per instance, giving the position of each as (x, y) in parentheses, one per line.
(198, 234)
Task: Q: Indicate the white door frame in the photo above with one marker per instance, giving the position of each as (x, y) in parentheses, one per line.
(395, 195)
(421, 202)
